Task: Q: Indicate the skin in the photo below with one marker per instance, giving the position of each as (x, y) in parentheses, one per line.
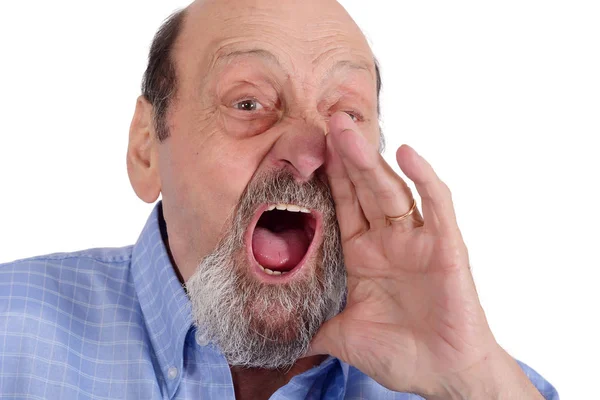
(413, 320)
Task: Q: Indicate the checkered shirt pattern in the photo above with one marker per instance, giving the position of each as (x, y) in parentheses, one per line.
(116, 324)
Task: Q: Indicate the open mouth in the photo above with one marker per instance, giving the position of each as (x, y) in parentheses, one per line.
(281, 238)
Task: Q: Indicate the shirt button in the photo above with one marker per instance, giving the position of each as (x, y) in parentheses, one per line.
(172, 373)
(201, 339)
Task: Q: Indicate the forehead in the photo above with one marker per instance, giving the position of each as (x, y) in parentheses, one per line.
(294, 34)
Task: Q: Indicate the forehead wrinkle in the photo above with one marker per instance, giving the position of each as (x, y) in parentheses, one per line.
(232, 52)
(338, 45)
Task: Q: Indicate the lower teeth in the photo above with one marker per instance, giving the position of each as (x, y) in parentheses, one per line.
(271, 272)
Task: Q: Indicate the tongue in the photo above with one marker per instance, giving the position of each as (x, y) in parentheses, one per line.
(279, 251)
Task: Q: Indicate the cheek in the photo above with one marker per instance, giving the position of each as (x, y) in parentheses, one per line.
(225, 171)
(206, 172)
(201, 185)
(206, 164)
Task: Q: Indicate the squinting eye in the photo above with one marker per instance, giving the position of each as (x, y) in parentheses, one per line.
(248, 105)
(352, 115)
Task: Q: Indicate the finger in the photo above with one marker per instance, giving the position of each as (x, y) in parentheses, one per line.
(366, 199)
(438, 209)
(380, 190)
(350, 216)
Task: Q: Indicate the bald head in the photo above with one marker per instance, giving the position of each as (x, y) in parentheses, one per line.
(212, 18)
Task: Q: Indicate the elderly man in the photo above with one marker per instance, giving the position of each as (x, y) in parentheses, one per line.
(286, 260)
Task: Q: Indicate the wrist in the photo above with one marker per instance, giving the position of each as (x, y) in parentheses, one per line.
(498, 376)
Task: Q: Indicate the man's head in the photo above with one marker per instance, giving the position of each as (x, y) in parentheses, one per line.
(232, 122)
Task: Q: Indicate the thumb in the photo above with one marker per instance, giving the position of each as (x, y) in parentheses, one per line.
(322, 342)
(341, 121)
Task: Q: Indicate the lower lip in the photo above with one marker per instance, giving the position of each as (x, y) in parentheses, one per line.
(310, 252)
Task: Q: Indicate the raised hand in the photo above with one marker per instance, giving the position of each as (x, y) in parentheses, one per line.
(413, 320)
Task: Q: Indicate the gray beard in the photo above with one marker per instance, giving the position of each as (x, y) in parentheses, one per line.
(265, 325)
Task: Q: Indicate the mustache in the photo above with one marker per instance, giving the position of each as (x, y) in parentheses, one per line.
(281, 186)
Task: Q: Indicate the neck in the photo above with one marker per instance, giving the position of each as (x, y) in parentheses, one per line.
(260, 383)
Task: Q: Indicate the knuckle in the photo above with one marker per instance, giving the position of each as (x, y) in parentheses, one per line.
(445, 190)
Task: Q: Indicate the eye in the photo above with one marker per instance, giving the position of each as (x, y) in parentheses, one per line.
(356, 117)
(248, 105)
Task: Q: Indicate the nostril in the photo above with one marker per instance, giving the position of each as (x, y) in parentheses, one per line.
(303, 167)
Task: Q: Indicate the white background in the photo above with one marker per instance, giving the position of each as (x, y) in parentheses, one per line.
(503, 98)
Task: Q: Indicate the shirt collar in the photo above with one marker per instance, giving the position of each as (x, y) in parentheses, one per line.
(329, 379)
(164, 303)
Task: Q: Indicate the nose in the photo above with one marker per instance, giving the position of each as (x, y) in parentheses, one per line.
(301, 148)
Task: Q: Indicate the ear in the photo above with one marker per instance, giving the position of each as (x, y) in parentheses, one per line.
(142, 153)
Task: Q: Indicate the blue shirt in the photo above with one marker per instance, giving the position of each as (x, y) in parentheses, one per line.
(116, 324)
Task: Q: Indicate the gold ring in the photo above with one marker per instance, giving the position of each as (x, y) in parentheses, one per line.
(403, 216)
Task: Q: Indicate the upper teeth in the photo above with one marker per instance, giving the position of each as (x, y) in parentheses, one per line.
(288, 207)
